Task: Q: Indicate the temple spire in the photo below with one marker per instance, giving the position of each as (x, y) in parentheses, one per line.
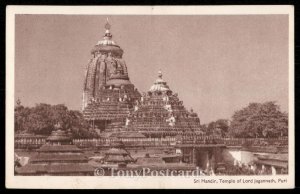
(107, 28)
(108, 41)
(160, 74)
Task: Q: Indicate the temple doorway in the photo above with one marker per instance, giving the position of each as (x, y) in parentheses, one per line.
(203, 157)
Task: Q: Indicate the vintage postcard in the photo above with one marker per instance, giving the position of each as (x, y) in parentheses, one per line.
(149, 97)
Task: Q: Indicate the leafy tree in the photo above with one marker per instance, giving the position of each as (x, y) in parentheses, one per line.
(203, 128)
(20, 115)
(42, 118)
(218, 127)
(222, 126)
(259, 120)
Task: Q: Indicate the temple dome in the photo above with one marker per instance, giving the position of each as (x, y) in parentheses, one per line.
(159, 85)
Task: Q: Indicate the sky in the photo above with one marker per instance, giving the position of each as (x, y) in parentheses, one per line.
(216, 64)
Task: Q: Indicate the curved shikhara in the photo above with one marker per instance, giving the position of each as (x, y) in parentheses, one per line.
(99, 70)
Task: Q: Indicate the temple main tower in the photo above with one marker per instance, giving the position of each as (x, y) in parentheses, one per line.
(108, 94)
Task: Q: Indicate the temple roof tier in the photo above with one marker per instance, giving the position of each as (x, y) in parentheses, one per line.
(59, 136)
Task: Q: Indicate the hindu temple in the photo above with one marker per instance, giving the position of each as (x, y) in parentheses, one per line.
(112, 104)
(160, 113)
(108, 94)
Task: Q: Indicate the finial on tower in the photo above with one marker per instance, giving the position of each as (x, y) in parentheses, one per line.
(107, 27)
(159, 74)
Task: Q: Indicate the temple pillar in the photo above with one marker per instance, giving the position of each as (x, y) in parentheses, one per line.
(194, 158)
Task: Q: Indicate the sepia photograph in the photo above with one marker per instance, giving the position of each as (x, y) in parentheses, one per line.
(150, 97)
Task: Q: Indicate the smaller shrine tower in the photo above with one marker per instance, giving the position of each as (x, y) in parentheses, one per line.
(58, 157)
(117, 154)
(160, 113)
